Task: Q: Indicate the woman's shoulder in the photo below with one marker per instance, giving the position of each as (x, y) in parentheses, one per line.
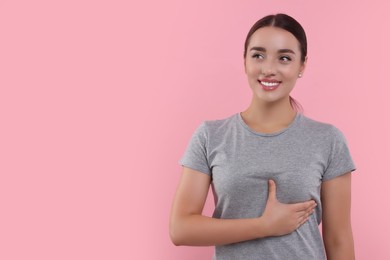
(219, 122)
(215, 127)
(320, 127)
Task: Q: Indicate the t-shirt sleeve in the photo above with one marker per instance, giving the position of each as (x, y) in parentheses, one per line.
(340, 160)
(195, 155)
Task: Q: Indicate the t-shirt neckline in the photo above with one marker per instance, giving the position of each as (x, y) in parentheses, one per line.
(291, 125)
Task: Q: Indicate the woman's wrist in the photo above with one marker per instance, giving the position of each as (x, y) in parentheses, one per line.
(261, 228)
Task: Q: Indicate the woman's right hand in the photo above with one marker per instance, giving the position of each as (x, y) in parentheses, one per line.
(281, 219)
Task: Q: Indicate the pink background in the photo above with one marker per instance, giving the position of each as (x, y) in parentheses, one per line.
(98, 100)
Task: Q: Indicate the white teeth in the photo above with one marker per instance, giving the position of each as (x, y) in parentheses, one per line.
(269, 84)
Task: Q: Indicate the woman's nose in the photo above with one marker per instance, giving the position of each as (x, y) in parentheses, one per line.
(268, 68)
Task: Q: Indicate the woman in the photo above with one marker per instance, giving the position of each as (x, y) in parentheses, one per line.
(275, 173)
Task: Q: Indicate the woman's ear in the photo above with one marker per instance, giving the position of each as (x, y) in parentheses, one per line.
(303, 67)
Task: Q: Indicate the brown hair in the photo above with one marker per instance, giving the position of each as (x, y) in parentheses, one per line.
(289, 24)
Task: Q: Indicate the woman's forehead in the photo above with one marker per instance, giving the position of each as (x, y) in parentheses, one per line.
(273, 38)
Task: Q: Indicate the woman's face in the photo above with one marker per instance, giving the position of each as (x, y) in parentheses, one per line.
(273, 63)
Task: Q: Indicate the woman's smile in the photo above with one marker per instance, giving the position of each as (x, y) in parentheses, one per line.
(269, 84)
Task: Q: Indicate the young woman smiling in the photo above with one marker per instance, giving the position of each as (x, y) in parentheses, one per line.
(275, 173)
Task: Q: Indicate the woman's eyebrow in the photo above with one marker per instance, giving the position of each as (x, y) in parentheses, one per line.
(279, 51)
(258, 49)
(286, 51)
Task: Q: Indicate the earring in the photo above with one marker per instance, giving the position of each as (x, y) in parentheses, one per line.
(300, 75)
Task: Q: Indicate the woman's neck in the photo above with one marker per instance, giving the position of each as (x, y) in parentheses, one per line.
(268, 117)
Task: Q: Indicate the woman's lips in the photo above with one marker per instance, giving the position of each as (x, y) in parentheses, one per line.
(269, 84)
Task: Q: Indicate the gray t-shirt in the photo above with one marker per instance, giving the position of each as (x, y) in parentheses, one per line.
(240, 161)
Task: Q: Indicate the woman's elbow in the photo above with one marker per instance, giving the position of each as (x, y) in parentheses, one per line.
(176, 234)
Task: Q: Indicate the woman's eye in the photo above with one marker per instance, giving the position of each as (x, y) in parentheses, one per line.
(258, 56)
(285, 58)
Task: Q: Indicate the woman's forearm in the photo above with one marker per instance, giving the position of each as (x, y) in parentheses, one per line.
(198, 230)
(277, 219)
